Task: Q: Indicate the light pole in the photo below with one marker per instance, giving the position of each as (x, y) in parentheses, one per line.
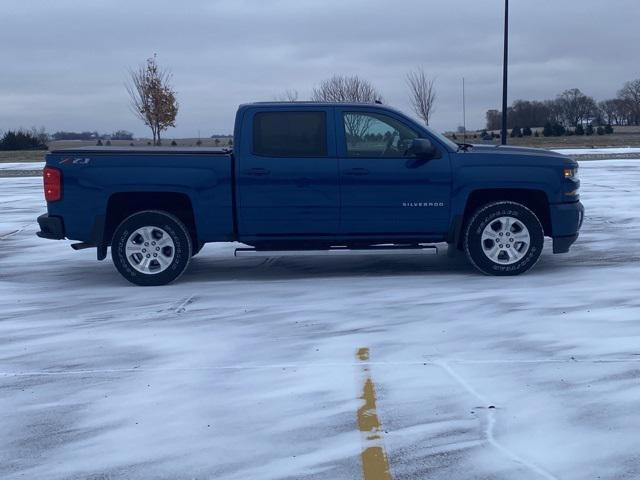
(504, 72)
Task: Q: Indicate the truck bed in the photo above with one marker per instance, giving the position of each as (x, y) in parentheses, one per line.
(146, 150)
(97, 180)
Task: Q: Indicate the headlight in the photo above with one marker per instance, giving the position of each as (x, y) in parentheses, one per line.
(571, 172)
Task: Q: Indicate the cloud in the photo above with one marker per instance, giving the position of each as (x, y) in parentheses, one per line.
(65, 62)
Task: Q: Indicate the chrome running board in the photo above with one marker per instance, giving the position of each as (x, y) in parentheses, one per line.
(338, 251)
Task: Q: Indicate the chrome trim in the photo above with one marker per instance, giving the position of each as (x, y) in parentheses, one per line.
(338, 251)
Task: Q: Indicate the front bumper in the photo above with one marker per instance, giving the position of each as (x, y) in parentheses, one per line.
(566, 220)
(50, 227)
(562, 244)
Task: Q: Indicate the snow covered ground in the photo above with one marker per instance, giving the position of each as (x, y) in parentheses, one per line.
(598, 151)
(247, 369)
(21, 165)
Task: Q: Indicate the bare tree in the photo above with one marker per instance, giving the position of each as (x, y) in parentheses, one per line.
(289, 95)
(153, 100)
(341, 88)
(576, 106)
(555, 109)
(612, 111)
(494, 118)
(630, 94)
(422, 94)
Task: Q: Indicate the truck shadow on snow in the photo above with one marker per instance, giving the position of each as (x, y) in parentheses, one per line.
(213, 267)
(217, 266)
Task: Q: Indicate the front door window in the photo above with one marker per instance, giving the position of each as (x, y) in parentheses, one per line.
(374, 135)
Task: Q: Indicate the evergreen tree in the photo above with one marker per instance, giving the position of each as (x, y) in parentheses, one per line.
(526, 131)
(23, 140)
(579, 130)
(589, 130)
(547, 131)
(608, 129)
(558, 130)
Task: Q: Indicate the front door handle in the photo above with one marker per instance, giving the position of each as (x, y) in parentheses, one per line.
(257, 172)
(357, 171)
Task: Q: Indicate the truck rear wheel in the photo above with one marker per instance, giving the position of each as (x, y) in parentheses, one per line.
(151, 248)
(503, 238)
(195, 248)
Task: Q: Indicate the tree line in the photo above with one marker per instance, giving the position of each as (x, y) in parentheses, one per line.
(37, 139)
(117, 135)
(571, 109)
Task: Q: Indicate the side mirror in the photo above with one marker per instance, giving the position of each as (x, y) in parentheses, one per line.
(422, 148)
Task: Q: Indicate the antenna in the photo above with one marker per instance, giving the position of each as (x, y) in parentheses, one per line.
(464, 114)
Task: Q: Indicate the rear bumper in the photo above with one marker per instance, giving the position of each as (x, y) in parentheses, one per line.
(566, 220)
(50, 227)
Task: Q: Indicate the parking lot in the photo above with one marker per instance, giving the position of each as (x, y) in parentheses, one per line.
(302, 368)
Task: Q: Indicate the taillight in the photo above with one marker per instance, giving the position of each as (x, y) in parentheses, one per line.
(52, 184)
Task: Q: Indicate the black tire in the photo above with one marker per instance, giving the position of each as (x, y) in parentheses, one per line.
(475, 249)
(180, 252)
(196, 248)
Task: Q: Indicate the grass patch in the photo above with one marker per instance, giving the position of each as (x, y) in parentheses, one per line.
(7, 156)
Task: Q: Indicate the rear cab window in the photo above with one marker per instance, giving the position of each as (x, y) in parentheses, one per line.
(290, 134)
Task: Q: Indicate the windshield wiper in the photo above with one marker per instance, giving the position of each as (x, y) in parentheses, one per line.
(464, 146)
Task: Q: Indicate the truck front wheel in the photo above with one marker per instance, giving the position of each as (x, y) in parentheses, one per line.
(151, 248)
(503, 238)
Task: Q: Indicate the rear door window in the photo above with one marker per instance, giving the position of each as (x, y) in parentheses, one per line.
(290, 134)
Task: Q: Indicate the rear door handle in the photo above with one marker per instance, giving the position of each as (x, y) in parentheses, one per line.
(303, 182)
(257, 172)
(357, 171)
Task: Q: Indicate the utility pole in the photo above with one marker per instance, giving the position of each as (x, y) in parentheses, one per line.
(504, 72)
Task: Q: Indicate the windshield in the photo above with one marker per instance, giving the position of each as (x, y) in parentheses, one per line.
(452, 145)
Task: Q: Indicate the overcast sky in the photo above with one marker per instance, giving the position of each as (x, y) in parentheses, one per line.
(64, 63)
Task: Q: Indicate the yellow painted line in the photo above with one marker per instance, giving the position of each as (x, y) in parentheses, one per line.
(375, 465)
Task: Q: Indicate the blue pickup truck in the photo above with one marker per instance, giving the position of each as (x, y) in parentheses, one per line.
(313, 179)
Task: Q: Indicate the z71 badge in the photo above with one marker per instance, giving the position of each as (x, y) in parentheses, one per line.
(75, 161)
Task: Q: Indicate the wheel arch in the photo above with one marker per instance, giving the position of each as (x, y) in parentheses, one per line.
(123, 204)
(534, 199)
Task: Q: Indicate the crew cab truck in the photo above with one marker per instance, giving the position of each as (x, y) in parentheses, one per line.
(313, 179)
